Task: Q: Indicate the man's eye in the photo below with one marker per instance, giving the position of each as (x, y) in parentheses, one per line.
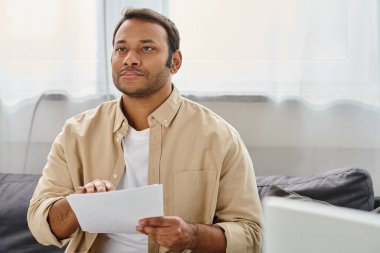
(147, 49)
(120, 50)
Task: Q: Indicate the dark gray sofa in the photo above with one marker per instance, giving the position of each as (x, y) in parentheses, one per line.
(343, 187)
(15, 193)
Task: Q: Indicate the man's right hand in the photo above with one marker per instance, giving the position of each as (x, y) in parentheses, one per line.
(61, 217)
(96, 186)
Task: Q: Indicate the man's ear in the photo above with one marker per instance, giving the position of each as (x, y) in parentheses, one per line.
(176, 62)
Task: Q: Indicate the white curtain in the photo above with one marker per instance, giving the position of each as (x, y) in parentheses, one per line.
(54, 63)
(50, 45)
(321, 51)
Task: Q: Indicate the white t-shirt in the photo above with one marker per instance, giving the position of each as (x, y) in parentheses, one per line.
(136, 154)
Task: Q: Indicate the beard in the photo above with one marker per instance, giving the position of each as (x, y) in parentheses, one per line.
(152, 83)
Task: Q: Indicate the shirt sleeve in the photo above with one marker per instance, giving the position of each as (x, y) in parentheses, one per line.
(238, 210)
(53, 185)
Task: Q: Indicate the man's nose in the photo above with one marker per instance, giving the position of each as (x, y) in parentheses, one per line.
(131, 59)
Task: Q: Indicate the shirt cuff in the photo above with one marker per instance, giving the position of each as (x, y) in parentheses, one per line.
(235, 236)
(39, 225)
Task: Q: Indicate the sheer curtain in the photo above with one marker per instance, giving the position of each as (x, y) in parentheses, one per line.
(50, 45)
(321, 51)
(54, 63)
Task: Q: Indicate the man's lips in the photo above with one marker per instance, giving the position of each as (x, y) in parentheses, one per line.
(130, 73)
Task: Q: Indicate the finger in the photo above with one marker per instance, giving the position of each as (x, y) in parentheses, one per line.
(96, 186)
(155, 221)
(80, 190)
(99, 186)
(169, 242)
(163, 221)
(109, 185)
(89, 188)
(156, 230)
(141, 229)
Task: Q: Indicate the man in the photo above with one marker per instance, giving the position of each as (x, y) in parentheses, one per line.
(151, 135)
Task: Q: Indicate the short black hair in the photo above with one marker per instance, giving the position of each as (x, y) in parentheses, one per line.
(157, 18)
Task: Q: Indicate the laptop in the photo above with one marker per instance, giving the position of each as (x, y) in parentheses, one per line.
(295, 226)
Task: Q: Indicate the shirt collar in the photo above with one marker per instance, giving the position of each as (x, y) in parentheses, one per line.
(164, 114)
(119, 117)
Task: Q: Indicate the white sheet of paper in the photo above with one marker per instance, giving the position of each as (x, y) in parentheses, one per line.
(117, 211)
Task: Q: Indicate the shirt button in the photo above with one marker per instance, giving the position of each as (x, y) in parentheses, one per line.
(165, 121)
(114, 176)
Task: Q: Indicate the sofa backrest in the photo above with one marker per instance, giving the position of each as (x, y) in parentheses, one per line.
(15, 193)
(346, 187)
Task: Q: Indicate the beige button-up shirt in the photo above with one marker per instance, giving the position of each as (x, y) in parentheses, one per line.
(201, 161)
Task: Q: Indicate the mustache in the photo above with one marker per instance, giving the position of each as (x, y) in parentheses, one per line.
(131, 69)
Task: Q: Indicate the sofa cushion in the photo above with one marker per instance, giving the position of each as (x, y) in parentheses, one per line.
(15, 193)
(350, 187)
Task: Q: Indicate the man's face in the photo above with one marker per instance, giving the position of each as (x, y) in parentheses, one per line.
(139, 58)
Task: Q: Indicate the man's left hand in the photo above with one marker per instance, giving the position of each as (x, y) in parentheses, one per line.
(171, 232)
